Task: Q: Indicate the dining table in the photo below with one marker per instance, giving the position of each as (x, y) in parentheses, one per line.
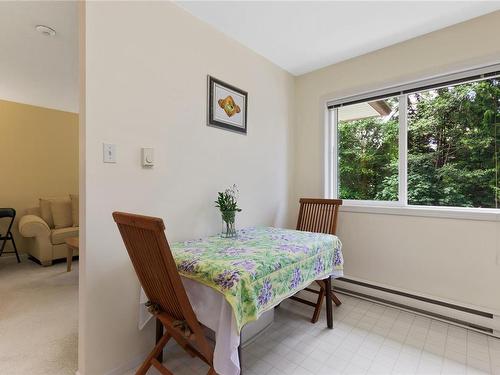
(231, 282)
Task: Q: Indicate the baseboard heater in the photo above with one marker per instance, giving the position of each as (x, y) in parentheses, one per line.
(462, 309)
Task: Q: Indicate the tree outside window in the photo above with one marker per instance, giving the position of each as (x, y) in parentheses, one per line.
(453, 147)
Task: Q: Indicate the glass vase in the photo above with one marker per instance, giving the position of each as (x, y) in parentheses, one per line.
(228, 224)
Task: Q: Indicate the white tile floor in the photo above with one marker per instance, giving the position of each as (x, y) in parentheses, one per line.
(367, 339)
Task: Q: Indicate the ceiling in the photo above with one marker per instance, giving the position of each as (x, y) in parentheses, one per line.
(307, 35)
(298, 36)
(34, 68)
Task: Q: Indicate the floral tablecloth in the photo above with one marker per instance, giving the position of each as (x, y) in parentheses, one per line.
(260, 267)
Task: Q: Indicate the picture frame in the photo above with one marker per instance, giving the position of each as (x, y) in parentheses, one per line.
(227, 106)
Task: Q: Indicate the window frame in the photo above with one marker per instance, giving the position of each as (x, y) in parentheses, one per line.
(401, 206)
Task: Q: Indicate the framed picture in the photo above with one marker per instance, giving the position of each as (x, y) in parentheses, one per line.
(227, 106)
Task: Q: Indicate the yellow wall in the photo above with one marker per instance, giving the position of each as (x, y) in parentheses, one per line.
(38, 156)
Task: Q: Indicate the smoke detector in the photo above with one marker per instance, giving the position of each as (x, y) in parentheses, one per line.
(45, 30)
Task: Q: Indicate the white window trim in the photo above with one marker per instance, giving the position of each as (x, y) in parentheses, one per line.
(403, 151)
(457, 213)
(400, 207)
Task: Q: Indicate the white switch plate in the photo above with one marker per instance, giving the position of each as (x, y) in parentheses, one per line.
(109, 153)
(148, 157)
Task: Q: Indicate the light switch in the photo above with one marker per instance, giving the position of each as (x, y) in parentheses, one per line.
(109, 153)
(148, 159)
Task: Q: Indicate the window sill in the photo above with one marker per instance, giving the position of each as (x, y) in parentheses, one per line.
(483, 214)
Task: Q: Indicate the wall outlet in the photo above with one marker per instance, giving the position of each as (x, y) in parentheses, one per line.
(109, 153)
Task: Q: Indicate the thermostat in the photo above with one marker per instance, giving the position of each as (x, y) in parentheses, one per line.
(148, 159)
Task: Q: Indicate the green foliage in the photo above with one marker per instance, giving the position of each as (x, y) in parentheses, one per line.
(453, 135)
(227, 200)
(368, 158)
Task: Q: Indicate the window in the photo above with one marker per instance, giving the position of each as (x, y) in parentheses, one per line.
(368, 150)
(431, 145)
(452, 145)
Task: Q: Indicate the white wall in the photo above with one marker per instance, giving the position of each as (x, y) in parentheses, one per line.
(146, 78)
(444, 258)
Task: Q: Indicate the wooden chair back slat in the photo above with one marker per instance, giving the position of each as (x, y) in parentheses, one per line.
(329, 212)
(307, 217)
(328, 218)
(314, 218)
(318, 215)
(323, 221)
(334, 224)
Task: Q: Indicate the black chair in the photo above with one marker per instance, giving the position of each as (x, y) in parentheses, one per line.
(8, 213)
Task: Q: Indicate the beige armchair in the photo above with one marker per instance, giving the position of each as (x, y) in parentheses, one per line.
(46, 242)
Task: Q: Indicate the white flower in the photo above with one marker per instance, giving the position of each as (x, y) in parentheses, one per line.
(233, 192)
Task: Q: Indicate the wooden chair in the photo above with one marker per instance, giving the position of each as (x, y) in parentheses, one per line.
(320, 216)
(148, 248)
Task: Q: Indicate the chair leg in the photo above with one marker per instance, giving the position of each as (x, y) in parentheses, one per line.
(240, 359)
(319, 304)
(154, 353)
(336, 300)
(3, 246)
(211, 371)
(15, 248)
(10, 237)
(159, 335)
(329, 309)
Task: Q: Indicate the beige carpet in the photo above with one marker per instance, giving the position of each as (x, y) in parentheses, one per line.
(38, 318)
